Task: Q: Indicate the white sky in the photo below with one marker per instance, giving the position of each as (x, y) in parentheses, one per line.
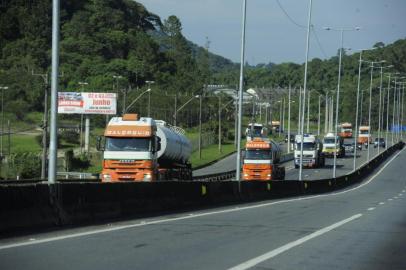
(271, 36)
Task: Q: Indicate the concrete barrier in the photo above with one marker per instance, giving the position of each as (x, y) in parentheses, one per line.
(42, 205)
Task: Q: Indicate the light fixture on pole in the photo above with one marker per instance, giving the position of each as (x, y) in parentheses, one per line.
(135, 100)
(183, 105)
(149, 97)
(341, 30)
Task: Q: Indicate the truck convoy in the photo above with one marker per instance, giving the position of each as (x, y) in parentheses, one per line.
(345, 130)
(144, 149)
(330, 148)
(312, 156)
(364, 136)
(261, 160)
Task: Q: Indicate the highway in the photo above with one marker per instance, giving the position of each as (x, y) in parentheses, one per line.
(359, 228)
(344, 166)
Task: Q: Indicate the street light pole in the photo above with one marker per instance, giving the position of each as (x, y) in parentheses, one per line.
(289, 119)
(379, 109)
(356, 111)
(135, 100)
(387, 110)
(149, 97)
(308, 112)
(304, 90)
(240, 95)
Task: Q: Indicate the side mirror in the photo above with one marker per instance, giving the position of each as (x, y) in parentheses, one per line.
(100, 143)
(158, 144)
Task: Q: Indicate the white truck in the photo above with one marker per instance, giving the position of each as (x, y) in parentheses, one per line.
(330, 148)
(312, 147)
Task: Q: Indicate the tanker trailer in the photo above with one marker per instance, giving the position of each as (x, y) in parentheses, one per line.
(142, 149)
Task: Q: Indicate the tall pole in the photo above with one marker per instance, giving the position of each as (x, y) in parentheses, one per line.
(44, 134)
(54, 94)
(200, 125)
(304, 91)
(369, 110)
(238, 170)
(308, 112)
(379, 111)
(318, 119)
(337, 104)
(280, 118)
(356, 111)
(387, 110)
(300, 111)
(289, 119)
(219, 139)
(402, 113)
(283, 116)
(393, 112)
(326, 114)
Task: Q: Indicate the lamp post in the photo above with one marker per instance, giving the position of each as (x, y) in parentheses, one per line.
(135, 100)
(2, 120)
(379, 109)
(149, 97)
(183, 105)
(82, 84)
(240, 94)
(338, 89)
(370, 104)
(304, 89)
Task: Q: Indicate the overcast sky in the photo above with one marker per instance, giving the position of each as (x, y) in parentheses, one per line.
(272, 37)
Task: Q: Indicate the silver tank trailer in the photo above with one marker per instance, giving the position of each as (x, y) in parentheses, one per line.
(276, 152)
(175, 147)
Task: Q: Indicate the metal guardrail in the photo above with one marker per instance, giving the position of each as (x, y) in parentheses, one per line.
(77, 175)
(216, 176)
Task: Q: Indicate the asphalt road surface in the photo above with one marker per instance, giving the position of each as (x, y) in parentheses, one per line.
(363, 227)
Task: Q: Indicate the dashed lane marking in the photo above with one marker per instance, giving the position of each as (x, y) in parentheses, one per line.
(381, 203)
(371, 208)
(298, 242)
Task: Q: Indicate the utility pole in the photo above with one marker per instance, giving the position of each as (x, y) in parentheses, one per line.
(2, 120)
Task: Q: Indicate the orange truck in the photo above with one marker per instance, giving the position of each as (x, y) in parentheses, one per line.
(261, 160)
(144, 149)
(345, 130)
(364, 136)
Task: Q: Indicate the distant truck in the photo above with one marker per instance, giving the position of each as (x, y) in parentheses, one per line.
(364, 136)
(330, 148)
(345, 130)
(312, 156)
(144, 149)
(276, 126)
(255, 130)
(262, 160)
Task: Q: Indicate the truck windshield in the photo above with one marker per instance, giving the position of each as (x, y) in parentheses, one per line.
(363, 132)
(347, 130)
(254, 132)
(329, 140)
(258, 154)
(306, 146)
(127, 144)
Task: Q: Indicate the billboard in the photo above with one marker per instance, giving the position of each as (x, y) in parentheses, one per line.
(87, 103)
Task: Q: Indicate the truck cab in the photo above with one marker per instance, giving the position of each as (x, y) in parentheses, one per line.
(311, 151)
(345, 130)
(364, 136)
(255, 130)
(330, 148)
(261, 161)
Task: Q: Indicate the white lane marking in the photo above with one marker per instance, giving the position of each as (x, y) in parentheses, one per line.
(381, 203)
(146, 223)
(400, 194)
(275, 252)
(371, 208)
(390, 199)
(396, 197)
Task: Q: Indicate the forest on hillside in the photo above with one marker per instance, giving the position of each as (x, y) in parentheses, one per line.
(118, 45)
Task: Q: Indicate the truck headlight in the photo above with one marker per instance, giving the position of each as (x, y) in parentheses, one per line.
(147, 177)
(246, 174)
(269, 175)
(106, 177)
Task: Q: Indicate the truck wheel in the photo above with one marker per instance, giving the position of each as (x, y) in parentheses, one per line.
(296, 166)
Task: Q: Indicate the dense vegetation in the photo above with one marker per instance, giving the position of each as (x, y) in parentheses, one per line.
(105, 38)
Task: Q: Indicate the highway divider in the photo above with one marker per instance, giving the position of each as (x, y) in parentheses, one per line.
(39, 205)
